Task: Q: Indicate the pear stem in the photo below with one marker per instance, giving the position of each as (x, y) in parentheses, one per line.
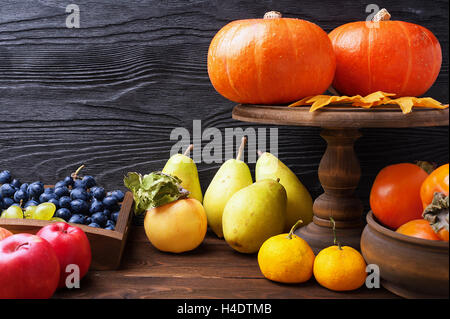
(188, 150)
(289, 236)
(241, 148)
(335, 241)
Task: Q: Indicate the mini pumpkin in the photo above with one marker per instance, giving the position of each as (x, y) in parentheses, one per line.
(273, 60)
(383, 55)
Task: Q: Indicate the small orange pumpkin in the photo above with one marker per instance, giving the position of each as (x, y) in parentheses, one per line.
(270, 61)
(382, 55)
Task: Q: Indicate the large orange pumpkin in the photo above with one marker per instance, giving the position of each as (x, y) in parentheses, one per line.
(270, 61)
(390, 56)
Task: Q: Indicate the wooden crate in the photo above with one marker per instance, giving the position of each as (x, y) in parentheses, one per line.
(107, 245)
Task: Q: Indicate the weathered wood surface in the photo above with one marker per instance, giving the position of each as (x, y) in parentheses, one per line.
(107, 95)
(213, 270)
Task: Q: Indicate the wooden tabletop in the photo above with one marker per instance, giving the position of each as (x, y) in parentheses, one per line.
(213, 270)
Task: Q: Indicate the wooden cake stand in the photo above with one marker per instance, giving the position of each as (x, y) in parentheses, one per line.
(339, 169)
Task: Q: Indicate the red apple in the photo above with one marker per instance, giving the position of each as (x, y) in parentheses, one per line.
(29, 268)
(4, 233)
(71, 246)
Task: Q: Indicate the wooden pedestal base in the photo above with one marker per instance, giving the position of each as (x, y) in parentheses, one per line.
(339, 174)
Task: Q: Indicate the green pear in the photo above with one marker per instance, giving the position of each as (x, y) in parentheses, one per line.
(183, 167)
(299, 201)
(232, 176)
(254, 214)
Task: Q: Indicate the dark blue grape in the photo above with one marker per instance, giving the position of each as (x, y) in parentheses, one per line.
(63, 213)
(68, 181)
(107, 213)
(99, 218)
(77, 219)
(79, 193)
(78, 183)
(96, 206)
(118, 194)
(110, 222)
(24, 187)
(60, 184)
(54, 201)
(110, 202)
(35, 190)
(89, 181)
(16, 183)
(7, 190)
(64, 202)
(79, 206)
(88, 220)
(99, 193)
(45, 197)
(49, 190)
(20, 195)
(115, 216)
(31, 203)
(7, 202)
(62, 191)
(94, 225)
(5, 177)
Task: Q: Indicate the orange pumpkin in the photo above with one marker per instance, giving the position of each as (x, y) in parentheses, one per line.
(270, 61)
(390, 56)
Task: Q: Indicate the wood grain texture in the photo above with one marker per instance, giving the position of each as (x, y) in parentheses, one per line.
(213, 270)
(107, 95)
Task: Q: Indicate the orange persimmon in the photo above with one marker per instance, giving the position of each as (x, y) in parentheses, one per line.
(419, 228)
(436, 182)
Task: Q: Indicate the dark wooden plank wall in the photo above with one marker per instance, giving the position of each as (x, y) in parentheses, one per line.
(107, 95)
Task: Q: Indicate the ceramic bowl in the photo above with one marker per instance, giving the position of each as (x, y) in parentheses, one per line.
(409, 267)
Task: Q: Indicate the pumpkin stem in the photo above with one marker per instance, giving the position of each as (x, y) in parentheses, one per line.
(241, 148)
(188, 150)
(382, 15)
(272, 15)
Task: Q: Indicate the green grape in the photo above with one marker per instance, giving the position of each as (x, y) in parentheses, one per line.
(57, 219)
(29, 211)
(44, 211)
(13, 212)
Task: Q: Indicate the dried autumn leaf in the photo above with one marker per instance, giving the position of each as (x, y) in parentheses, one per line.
(301, 102)
(378, 98)
(429, 102)
(405, 103)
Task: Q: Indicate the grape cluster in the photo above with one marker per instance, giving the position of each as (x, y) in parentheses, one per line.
(73, 199)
